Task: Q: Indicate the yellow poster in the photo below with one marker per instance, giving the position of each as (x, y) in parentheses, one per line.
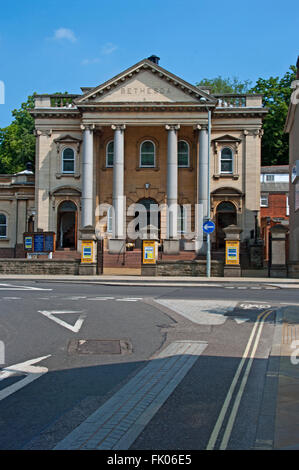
(87, 251)
(232, 252)
(149, 252)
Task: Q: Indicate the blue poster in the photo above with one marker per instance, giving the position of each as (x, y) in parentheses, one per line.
(49, 243)
(39, 243)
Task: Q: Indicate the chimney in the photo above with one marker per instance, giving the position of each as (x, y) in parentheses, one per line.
(154, 59)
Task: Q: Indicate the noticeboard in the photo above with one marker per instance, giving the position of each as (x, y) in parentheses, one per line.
(87, 251)
(149, 252)
(232, 252)
(39, 242)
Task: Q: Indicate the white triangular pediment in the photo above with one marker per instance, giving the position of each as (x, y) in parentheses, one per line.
(146, 82)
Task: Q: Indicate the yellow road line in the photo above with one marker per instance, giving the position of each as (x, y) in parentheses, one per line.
(221, 417)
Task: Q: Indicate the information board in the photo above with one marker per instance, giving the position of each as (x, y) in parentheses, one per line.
(149, 252)
(28, 243)
(232, 252)
(87, 251)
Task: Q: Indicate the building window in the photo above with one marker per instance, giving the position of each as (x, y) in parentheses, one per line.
(147, 154)
(183, 154)
(68, 160)
(226, 160)
(3, 226)
(264, 200)
(109, 154)
(270, 178)
(182, 219)
(109, 219)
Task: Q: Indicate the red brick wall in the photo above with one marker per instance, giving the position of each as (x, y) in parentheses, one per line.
(277, 206)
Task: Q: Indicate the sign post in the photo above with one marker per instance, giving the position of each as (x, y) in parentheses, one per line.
(208, 228)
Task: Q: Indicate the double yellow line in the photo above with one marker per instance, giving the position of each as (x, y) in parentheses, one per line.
(254, 338)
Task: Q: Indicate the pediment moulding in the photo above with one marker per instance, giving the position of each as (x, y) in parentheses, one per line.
(67, 140)
(143, 84)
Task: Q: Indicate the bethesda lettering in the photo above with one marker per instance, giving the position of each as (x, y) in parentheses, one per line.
(118, 460)
(144, 91)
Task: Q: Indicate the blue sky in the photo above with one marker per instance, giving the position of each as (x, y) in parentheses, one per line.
(62, 45)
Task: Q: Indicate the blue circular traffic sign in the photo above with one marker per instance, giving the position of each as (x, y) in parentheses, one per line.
(208, 226)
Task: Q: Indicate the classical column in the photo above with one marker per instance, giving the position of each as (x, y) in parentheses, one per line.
(171, 245)
(117, 243)
(88, 241)
(87, 217)
(202, 186)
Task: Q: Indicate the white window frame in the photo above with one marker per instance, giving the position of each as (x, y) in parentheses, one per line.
(269, 178)
(140, 161)
(188, 146)
(64, 172)
(110, 220)
(264, 196)
(107, 164)
(232, 160)
(287, 206)
(4, 225)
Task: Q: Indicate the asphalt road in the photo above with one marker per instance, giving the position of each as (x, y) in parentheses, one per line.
(186, 370)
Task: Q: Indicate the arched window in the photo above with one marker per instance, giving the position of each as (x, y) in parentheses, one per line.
(183, 154)
(226, 160)
(68, 160)
(109, 154)
(110, 219)
(3, 226)
(182, 219)
(147, 154)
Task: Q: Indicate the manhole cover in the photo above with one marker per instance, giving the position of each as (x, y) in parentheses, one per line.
(99, 346)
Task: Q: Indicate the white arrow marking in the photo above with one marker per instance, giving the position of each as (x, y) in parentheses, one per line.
(12, 287)
(74, 328)
(241, 320)
(32, 373)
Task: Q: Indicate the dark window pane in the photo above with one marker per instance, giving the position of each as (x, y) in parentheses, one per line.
(68, 166)
(2, 231)
(226, 166)
(2, 219)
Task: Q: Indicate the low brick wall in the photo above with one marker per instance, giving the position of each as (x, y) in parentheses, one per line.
(39, 266)
(189, 268)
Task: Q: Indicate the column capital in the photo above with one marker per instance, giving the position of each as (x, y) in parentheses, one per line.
(90, 127)
(172, 127)
(118, 127)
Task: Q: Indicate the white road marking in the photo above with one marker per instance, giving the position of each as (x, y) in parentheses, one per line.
(75, 328)
(129, 299)
(26, 288)
(226, 404)
(101, 298)
(241, 320)
(32, 373)
(117, 423)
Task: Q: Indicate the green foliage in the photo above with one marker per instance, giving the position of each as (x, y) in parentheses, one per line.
(225, 85)
(17, 142)
(276, 97)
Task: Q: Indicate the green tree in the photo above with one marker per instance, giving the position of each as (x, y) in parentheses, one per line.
(17, 142)
(225, 85)
(276, 97)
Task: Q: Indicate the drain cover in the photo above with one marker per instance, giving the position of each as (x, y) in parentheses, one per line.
(99, 346)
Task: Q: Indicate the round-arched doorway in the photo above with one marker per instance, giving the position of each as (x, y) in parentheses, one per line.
(226, 214)
(67, 225)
